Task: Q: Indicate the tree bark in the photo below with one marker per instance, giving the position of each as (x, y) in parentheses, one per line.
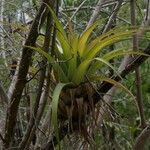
(137, 70)
(142, 139)
(34, 121)
(21, 78)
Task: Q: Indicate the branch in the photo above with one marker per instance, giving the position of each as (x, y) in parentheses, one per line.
(142, 139)
(139, 99)
(22, 73)
(63, 131)
(3, 96)
(134, 63)
(96, 12)
(112, 16)
(76, 11)
(34, 120)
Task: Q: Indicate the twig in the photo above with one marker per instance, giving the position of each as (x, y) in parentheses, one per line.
(142, 139)
(112, 16)
(78, 8)
(35, 73)
(101, 97)
(69, 9)
(1, 137)
(95, 13)
(122, 19)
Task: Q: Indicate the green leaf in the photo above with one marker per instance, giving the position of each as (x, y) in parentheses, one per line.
(62, 76)
(103, 41)
(39, 50)
(108, 64)
(72, 64)
(64, 43)
(72, 67)
(80, 72)
(114, 54)
(55, 101)
(61, 35)
(58, 24)
(60, 73)
(120, 52)
(84, 37)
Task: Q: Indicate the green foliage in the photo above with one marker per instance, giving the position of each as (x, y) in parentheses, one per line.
(55, 98)
(77, 53)
(76, 57)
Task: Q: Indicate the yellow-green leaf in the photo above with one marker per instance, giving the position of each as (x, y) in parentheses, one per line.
(55, 101)
(84, 37)
(81, 72)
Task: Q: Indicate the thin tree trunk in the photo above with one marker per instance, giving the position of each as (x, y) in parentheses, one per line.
(21, 78)
(137, 70)
(33, 122)
(145, 134)
(95, 13)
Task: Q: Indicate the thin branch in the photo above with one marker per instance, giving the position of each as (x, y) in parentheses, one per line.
(112, 16)
(1, 137)
(105, 102)
(142, 139)
(119, 18)
(95, 13)
(137, 70)
(21, 78)
(31, 129)
(70, 9)
(76, 11)
(35, 74)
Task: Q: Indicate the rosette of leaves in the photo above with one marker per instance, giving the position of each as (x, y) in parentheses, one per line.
(75, 64)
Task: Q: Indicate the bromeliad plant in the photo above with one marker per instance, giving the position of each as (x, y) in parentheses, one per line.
(76, 60)
(77, 56)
